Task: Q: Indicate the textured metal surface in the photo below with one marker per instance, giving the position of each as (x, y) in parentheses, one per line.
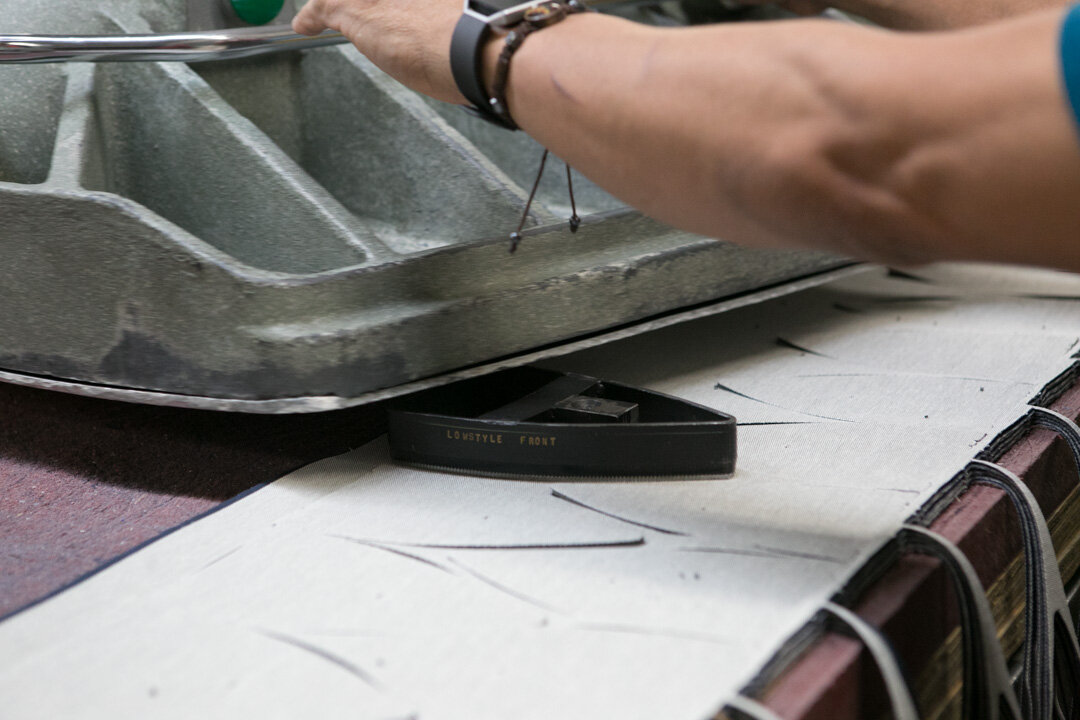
(201, 46)
(296, 226)
(323, 403)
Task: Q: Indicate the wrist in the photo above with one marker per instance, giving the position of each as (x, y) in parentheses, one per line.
(538, 47)
(471, 49)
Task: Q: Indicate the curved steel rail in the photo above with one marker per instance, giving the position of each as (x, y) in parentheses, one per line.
(175, 47)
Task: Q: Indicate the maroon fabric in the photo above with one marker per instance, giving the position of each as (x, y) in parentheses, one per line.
(83, 481)
(913, 603)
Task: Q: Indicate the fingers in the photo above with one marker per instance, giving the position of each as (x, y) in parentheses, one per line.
(311, 19)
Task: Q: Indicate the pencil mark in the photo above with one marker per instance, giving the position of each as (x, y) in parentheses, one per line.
(908, 491)
(1060, 298)
(792, 346)
(544, 546)
(346, 632)
(387, 545)
(788, 422)
(725, 388)
(764, 552)
(220, 558)
(656, 632)
(798, 554)
(506, 589)
(915, 375)
(395, 551)
(901, 275)
(912, 300)
(613, 516)
(351, 668)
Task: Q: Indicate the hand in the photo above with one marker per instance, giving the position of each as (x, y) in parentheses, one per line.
(408, 39)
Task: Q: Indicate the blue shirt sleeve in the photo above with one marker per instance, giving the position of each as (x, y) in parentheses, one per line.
(1070, 59)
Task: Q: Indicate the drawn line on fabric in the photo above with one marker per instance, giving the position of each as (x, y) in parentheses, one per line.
(765, 552)
(330, 657)
(218, 559)
(620, 518)
(725, 388)
(779, 422)
(595, 545)
(914, 300)
(863, 488)
(658, 632)
(1057, 298)
(915, 375)
(506, 589)
(346, 632)
(792, 346)
(903, 275)
(395, 551)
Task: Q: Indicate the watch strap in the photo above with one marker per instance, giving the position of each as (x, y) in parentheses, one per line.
(467, 61)
(544, 14)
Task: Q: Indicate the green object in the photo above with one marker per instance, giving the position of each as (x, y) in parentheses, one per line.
(257, 12)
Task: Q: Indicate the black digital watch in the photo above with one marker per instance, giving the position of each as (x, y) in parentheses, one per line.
(479, 19)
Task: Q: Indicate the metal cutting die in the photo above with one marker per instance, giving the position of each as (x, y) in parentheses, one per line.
(276, 230)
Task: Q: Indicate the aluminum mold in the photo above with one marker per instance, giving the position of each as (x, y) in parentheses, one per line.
(298, 226)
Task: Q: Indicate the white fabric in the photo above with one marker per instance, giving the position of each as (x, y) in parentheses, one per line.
(357, 589)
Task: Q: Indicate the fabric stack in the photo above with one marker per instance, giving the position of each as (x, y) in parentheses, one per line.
(878, 423)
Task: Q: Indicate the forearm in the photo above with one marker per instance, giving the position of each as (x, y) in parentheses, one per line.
(941, 14)
(895, 147)
(678, 123)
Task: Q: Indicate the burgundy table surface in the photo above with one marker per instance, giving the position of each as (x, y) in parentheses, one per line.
(84, 481)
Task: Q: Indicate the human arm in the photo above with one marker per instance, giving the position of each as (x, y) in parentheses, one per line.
(895, 147)
(923, 14)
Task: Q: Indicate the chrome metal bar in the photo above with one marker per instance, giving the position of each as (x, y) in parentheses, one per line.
(174, 47)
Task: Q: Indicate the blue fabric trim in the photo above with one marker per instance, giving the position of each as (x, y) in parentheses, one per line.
(1070, 59)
